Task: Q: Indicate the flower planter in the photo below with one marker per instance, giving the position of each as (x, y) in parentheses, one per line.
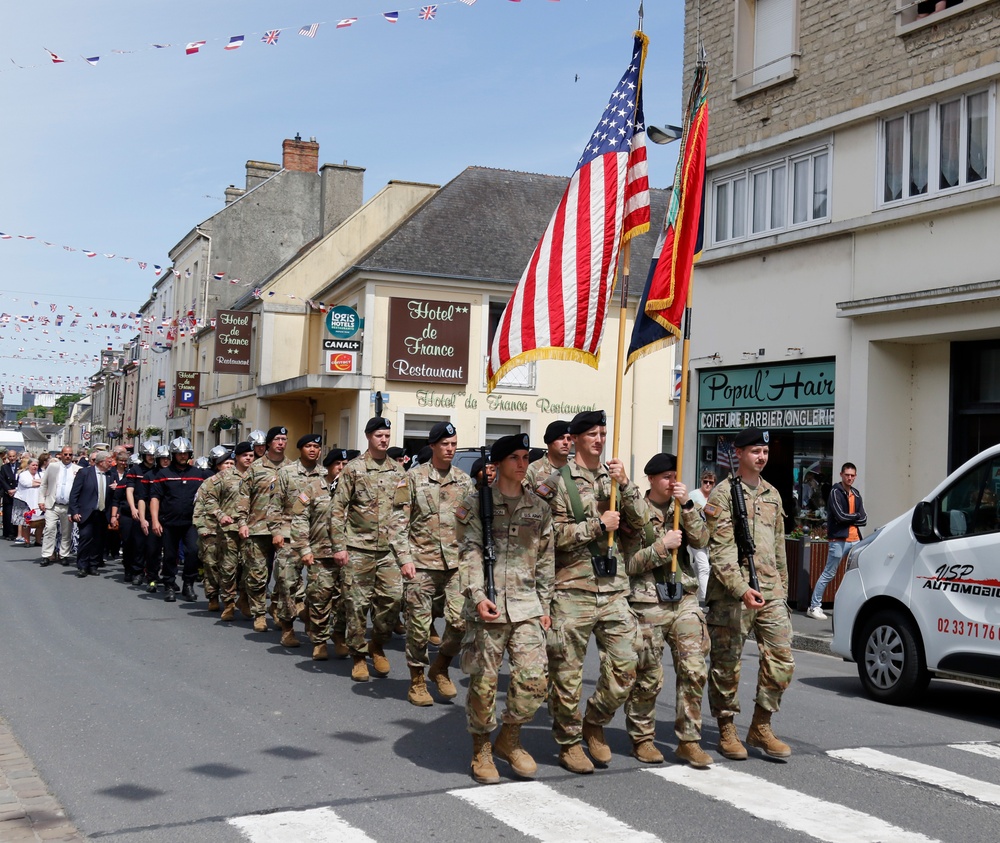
(799, 586)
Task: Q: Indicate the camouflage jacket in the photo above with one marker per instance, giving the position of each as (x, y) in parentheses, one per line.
(206, 507)
(541, 469)
(254, 498)
(290, 495)
(728, 577)
(525, 563)
(311, 521)
(367, 506)
(429, 513)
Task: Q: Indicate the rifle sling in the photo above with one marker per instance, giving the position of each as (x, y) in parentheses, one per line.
(576, 504)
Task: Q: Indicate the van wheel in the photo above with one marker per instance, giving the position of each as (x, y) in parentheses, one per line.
(892, 666)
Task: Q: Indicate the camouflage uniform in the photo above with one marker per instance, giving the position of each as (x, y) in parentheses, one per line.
(292, 487)
(585, 604)
(729, 621)
(206, 521)
(680, 624)
(523, 574)
(432, 547)
(256, 487)
(310, 532)
(368, 525)
(541, 469)
(230, 543)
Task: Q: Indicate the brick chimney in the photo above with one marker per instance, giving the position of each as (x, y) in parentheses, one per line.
(300, 155)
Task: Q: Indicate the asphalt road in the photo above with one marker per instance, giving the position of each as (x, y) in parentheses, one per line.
(157, 722)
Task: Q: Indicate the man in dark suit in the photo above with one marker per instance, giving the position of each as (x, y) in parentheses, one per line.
(90, 507)
(8, 484)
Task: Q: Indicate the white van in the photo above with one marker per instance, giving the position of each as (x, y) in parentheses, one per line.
(921, 596)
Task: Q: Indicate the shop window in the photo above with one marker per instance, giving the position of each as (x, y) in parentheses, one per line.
(975, 400)
(766, 49)
(519, 378)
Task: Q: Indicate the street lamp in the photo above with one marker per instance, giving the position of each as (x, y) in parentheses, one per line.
(663, 135)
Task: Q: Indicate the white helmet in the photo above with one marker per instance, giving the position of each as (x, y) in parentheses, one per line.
(220, 453)
(147, 448)
(180, 445)
(201, 462)
(162, 451)
(257, 437)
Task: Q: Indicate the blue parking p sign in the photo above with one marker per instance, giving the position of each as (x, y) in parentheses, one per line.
(187, 398)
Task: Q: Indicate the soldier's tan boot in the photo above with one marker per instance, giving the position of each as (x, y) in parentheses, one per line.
(438, 674)
(229, 613)
(319, 652)
(418, 693)
(434, 639)
(244, 606)
(213, 604)
(340, 649)
(484, 770)
(729, 742)
(647, 752)
(574, 759)
(761, 736)
(260, 623)
(692, 752)
(598, 747)
(301, 613)
(508, 748)
(359, 670)
(288, 637)
(380, 664)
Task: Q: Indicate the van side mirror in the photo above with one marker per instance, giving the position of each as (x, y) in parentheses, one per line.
(922, 523)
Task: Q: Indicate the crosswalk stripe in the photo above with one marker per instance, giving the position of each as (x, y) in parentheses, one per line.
(924, 773)
(316, 825)
(544, 814)
(788, 808)
(990, 750)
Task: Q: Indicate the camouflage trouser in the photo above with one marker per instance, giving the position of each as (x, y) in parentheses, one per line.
(258, 553)
(229, 565)
(289, 587)
(682, 626)
(575, 615)
(208, 553)
(428, 595)
(482, 654)
(371, 581)
(729, 622)
(323, 600)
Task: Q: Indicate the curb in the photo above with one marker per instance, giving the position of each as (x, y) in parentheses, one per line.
(813, 643)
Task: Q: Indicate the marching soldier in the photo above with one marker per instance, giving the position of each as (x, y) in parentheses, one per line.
(334, 463)
(207, 521)
(230, 543)
(557, 443)
(516, 623)
(734, 608)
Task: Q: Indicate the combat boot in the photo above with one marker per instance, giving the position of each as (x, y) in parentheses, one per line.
(434, 640)
(340, 649)
(244, 606)
(229, 613)
(484, 770)
(260, 623)
(418, 693)
(594, 736)
(647, 752)
(213, 604)
(574, 759)
(359, 670)
(438, 674)
(380, 664)
(187, 592)
(761, 736)
(692, 752)
(508, 747)
(319, 652)
(288, 638)
(729, 742)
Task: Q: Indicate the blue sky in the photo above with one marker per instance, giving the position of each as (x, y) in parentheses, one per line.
(126, 156)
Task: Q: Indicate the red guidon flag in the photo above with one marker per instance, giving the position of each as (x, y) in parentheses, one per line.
(559, 305)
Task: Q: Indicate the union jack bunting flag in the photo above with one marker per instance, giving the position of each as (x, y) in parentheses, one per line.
(271, 36)
(428, 12)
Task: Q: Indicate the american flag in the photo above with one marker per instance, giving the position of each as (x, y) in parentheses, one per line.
(468, 2)
(270, 37)
(428, 12)
(560, 303)
(309, 31)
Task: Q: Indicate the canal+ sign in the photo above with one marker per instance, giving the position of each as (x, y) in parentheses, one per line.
(343, 322)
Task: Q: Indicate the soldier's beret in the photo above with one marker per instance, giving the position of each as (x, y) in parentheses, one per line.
(243, 448)
(334, 455)
(556, 430)
(275, 431)
(535, 454)
(353, 454)
(440, 431)
(395, 452)
(582, 422)
(424, 455)
(506, 445)
(308, 439)
(477, 467)
(751, 436)
(377, 423)
(660, 463)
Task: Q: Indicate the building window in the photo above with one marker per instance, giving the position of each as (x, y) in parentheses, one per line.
(776, 196)
(497, 428)
(937, 148)
(767, 39)
(416, 429)
(522, 377)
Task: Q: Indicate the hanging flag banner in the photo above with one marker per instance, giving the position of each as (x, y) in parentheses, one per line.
(233, 335)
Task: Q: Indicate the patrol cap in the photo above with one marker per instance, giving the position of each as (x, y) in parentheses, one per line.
(660, 463)
(243, 448)
(336, 454)
(751, 436)
(377, 423)
(582, 422)
(308, 439)
(395, 452)
(506, 445)
(440, 431)
(275, 431)
(556, 430)
(353, 454)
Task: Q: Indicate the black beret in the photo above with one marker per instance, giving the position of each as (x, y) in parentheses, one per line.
(308, 439)
(556, 430)
(395, 452)
(334, 455)
(582, 422)
(751, 436)
(506, 445)
(477, 467)
(377, 423)
(424, 455)
(535, 454)
(660, 463)
(353, 454)
(440, 431)
(275, 431)
(243, 448)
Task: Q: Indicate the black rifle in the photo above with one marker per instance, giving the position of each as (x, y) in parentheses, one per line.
(741, 528)
(489, 548)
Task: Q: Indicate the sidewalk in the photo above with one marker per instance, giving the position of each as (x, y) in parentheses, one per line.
(811, 635)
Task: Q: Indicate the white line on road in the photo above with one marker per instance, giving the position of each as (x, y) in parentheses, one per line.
(545, 814)
(924, 773)
(990, 750)
(788, 808)
(317, 825)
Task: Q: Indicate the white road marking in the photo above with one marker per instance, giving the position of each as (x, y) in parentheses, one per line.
(788, 808)
(545, 814)
(990, 750)
(924, 773)
(317, 825)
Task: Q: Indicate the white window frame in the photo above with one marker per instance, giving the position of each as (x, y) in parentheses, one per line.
(523, 378)
(750, 72)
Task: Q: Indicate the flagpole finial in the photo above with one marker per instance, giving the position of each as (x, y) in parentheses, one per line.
(640, 15)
